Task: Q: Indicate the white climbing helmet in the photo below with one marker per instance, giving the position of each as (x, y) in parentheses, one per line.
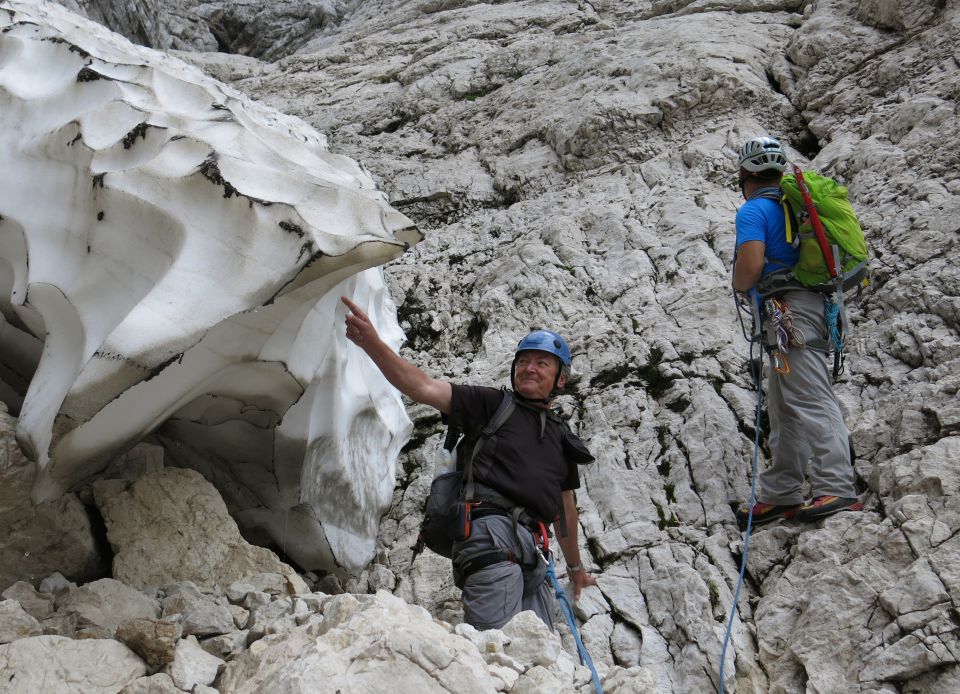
(762, 154)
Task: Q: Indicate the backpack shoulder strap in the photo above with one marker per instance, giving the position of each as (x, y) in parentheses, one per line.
(789, 218)
(504, 410)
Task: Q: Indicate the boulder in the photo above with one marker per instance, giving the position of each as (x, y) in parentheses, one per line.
(192, 666)
(56, 584)
(58, 665)
(273, 618)
(530, 641)
(374, 643)
(272, 583)
(38, 605)
(153, 640)
(160, 683)
(198, 614)
(227, 646)
(61, 625)
(105, 603)
(208, 619)
(37, 539)
(15, 623)
(172, 526)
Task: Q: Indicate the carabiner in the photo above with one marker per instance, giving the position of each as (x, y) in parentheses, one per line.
(780, 363)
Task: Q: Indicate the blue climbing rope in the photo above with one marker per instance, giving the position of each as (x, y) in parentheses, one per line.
(568, 613)
(758, 383)
(831, 311)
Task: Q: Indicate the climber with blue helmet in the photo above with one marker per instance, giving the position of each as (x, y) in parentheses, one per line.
(519, 462)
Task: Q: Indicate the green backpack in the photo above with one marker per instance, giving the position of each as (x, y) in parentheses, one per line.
(841, 227)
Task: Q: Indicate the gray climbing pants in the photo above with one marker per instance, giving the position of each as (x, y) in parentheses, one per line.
(807, 433)
(494, 594)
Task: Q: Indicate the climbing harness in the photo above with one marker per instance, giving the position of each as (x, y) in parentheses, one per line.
(571, 622)
(758, 383)
(469, 562)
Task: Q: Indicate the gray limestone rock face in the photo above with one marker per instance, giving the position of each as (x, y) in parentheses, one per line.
(173, 526)
(150, 23)
(241, 27)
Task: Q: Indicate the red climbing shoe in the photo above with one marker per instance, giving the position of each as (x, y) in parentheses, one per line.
(764, 513)
(823, 506)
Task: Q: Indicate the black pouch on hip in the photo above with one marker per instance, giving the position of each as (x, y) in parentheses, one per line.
(460, 530)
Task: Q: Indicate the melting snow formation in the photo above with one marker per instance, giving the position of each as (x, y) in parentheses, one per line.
(171, 257)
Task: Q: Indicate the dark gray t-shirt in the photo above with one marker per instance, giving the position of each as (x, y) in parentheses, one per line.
(528, 468)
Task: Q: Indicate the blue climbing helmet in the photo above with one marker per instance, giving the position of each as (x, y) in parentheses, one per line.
(546, 341)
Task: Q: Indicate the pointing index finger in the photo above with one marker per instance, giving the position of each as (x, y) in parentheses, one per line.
(354, 309)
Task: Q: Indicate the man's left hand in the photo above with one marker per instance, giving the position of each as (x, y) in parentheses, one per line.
(580, 579)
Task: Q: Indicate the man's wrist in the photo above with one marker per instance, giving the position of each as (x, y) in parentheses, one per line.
(574, 568)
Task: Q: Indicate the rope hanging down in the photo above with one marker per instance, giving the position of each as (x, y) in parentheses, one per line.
(568, 613)
(758, 383)
(831, 311)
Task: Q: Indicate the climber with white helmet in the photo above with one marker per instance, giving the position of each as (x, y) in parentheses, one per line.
(808, 438)
(520, 459)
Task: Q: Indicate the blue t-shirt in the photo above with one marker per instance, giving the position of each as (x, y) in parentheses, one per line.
(761, 219)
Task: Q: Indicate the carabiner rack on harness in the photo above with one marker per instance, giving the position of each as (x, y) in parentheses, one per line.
(781, 321)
